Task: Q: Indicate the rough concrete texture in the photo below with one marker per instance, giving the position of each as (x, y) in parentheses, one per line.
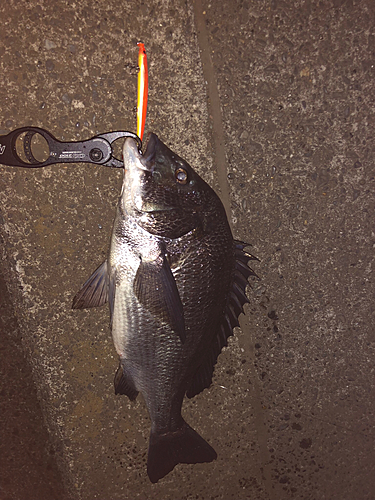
(291, 409)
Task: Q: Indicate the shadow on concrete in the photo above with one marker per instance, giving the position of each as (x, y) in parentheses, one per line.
(27, 455)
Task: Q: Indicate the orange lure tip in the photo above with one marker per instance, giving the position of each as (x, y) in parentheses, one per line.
(142, 90)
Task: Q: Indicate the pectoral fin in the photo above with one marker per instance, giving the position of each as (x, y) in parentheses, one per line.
(156, 289)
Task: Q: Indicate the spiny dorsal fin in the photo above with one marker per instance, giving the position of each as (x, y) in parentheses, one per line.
(234, 307)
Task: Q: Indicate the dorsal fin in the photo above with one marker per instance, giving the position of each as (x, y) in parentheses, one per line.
(234, 307)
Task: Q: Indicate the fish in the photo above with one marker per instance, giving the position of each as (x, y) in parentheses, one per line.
(175, 280)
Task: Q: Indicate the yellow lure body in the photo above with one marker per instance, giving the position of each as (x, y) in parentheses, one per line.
(142, 90)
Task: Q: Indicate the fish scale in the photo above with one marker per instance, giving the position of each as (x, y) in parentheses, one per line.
(175, 281)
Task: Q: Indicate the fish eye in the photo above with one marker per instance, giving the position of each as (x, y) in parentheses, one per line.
(181, 175)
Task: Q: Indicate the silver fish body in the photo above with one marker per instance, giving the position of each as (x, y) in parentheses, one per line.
(175, 281)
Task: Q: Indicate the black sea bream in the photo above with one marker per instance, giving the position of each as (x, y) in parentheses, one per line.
(175, 281)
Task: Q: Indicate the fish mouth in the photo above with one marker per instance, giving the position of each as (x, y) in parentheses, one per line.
(133, 157)
(136, 167)
(148, 157)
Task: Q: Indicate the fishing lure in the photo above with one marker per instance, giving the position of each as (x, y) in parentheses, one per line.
(142, 90)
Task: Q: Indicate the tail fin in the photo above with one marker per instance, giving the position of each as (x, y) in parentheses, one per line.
(184, 446)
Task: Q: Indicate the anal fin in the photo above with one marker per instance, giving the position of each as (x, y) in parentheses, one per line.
(124, 383)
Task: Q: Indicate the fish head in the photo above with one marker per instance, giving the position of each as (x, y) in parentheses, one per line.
(161, 185)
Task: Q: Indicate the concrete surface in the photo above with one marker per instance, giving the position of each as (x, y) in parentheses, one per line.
(273, 103)
(27, 451)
